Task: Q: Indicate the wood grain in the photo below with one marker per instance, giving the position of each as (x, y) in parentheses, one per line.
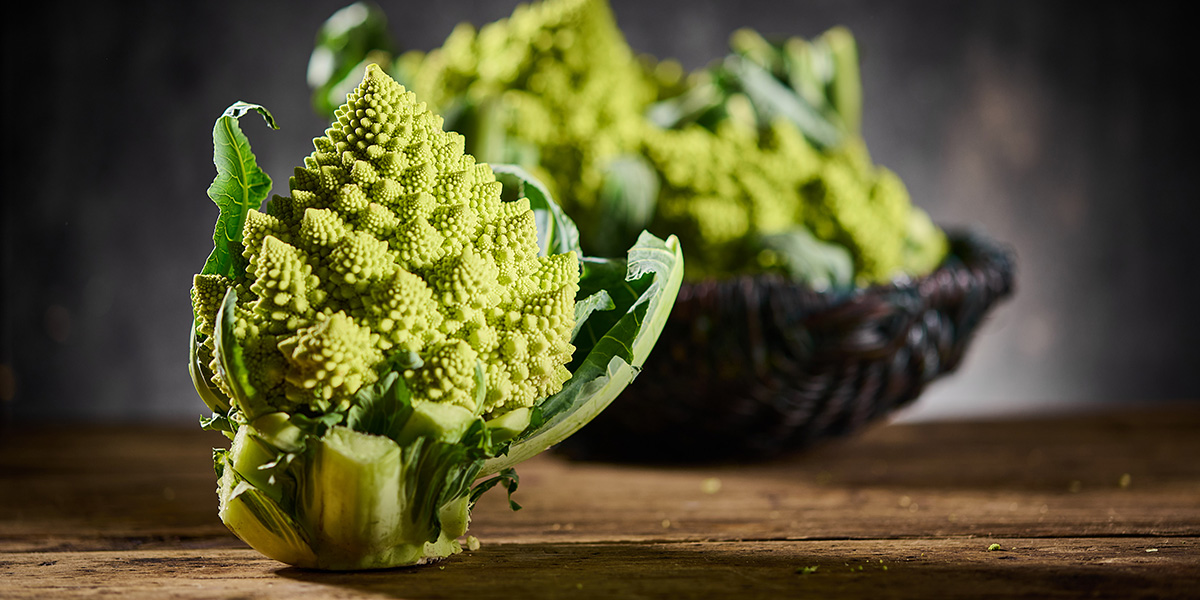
(1106, 568)
(1104, 505)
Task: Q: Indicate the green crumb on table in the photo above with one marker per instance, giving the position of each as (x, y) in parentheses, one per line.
(1125, 480)
(993, 547)
(472, 543)
(710, 485)
(807, 570)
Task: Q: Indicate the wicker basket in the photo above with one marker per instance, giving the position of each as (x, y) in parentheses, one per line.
(753, 366)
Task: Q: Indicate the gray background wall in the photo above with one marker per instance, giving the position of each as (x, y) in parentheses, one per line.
(1062, 130)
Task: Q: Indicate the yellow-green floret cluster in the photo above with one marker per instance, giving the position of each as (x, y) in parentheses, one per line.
(722, 189)
(395, 242)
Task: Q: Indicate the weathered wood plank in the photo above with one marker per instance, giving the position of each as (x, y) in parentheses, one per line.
(108, 482)
(1104, 506)
(125, 488)
(1076, 568)
(1098, 477)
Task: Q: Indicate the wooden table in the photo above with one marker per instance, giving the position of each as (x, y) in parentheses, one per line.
(1096, 506)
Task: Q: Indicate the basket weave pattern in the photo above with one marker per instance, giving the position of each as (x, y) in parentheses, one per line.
(753, 366)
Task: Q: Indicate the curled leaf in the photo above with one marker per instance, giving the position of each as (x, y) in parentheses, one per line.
(240, 185)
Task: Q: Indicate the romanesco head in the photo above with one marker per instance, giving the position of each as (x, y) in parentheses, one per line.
(393, 240)
(721, 188)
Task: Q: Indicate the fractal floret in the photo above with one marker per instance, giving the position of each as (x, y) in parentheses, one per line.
(397, 327)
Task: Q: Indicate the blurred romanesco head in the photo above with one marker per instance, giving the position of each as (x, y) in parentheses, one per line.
(722, 188)
(725, 189)
(763, 143)
(394, 242)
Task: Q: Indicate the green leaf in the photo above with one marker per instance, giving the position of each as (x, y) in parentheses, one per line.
(382, 408)
(557, 233)
(480, 387)
(599, 301)
(479, 447)
(259, 521)
(825, 74)
(240, 185)
(821, 265)
(599, 329)
(686, 107)
(751, 45)
(317, 425)
(507, 478)
(231, 361)
(430, 470)
(201, 375)
(484, 124)
(845, 90)
(627, 200)
(217, 422)
(611, 355)
(810, 70)
(774, 99)
(606, 278)
(400, 361)
(631, 283)
(345, 42)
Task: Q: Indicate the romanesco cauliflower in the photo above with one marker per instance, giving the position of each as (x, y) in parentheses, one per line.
(395, 330)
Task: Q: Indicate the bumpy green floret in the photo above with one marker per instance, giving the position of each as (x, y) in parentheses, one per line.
(207, 293)
(721, 188)
(864, 208)
(394, 240)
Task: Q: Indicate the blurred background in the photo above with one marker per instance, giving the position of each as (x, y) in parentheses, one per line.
(1060, 129)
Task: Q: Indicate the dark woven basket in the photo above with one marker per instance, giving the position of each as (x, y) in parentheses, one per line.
(749, 367)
